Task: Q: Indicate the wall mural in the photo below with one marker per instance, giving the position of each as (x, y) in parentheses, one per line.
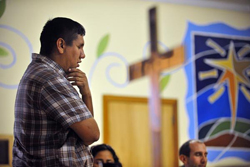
(218, 74)
(8, 56)
(101, 54)
(2, 7)
(218, 98)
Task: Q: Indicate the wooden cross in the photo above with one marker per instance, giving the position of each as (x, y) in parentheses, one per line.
(153, 67)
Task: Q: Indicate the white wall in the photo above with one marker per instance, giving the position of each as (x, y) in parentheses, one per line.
(127, 24)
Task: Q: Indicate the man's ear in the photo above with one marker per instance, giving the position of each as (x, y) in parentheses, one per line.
(183, 158)
(60, 45)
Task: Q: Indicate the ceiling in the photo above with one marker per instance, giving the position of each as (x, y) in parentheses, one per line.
(235, 5)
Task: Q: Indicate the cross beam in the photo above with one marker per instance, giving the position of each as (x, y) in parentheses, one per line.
(153, 67)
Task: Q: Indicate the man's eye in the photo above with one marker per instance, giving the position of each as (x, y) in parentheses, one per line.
(198, 154)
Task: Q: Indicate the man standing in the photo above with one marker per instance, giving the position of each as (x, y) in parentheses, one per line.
(193, 153)
(53, 124)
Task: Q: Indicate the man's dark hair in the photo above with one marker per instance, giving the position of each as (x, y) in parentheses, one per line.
(102, 147)
(185, 148)
(59, 27)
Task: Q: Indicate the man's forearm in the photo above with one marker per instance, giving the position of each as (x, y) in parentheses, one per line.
(87, 99)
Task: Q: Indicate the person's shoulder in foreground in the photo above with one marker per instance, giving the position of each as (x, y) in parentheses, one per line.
(193, 153)
(53, 124)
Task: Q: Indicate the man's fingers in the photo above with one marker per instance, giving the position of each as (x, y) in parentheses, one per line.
(77, 78)
(74, 74)
(72, 79)
(73, 69)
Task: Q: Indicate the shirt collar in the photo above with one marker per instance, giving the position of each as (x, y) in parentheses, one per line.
(49, 62)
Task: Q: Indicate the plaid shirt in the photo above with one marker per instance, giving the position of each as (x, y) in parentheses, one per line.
(46, 105)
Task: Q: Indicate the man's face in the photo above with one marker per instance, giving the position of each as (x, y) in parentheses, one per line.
(197, 157)
(74, 53)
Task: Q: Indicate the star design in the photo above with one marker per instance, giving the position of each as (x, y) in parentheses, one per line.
(233, 74)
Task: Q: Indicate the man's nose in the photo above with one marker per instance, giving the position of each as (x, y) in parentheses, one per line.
(203, 159)
(82, 55)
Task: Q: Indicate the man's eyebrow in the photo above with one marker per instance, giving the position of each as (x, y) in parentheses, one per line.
(197, 152)
(200, 152)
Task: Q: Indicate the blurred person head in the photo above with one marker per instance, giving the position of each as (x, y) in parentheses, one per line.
(193, 153)
(105, 156)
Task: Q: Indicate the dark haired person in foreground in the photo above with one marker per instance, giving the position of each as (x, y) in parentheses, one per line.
(105, 156)
(193, 153)
(53, 124)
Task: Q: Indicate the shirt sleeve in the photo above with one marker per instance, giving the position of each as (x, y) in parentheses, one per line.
(62, 103)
